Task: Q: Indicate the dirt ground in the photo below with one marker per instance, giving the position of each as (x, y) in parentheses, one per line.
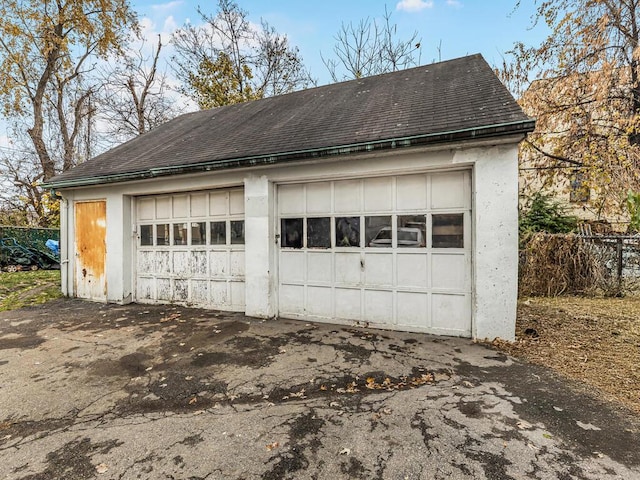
(593, 340)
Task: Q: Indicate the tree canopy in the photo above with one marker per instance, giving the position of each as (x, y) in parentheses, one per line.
(371, 47)
(586, 96)
(229, 60)
(134, 98)
(47, 50)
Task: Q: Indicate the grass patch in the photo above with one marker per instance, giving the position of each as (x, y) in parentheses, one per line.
(593, 340)
(23, 289)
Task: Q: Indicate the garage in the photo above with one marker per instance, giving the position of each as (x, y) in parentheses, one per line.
(190, 249)
(388, 201)
(390, 251)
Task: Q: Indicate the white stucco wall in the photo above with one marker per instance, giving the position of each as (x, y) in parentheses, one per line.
(495, 250)
(494, 222)
(259, 247)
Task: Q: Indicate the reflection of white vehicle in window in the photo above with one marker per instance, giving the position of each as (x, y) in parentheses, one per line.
(407, 237)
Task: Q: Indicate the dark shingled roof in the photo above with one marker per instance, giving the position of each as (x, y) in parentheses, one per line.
(446, 101)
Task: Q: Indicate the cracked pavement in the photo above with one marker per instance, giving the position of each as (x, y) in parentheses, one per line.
(90, 390)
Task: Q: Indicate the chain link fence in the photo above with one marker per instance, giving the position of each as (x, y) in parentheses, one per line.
(30, 237)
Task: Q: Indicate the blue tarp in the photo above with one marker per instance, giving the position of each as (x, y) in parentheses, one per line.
(53, 245)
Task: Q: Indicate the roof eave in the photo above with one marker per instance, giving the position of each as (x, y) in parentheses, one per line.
(489, 131)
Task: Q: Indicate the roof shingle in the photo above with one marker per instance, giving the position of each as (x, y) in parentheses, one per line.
(450, 96)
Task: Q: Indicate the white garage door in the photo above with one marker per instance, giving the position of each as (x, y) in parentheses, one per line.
(391, 251)
(191, 249)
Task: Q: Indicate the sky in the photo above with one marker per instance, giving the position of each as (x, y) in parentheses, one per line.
(446, 28)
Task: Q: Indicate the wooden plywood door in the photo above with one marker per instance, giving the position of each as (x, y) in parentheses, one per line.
(90, 248)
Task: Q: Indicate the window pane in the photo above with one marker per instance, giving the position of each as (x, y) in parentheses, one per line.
(580, 189)
(377, 231)
(198, 233)
(146, 235)
(319, 232)
(447, 231)
(291, 231)
(347, 231)
(180, 234)
(237, 232)
(218, 233)
(162, 234)
(412, 231)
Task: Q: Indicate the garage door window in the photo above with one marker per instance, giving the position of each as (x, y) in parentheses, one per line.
(447, 230)
(198, 233)
(378, 231)
(162, 234)
(319, 232)
(347, 231)
(411, 231)
(146, 235)
(180, 234)
(292, 233)
(237, 232)
(218, 233)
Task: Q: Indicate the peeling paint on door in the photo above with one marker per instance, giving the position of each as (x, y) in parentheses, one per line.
(190, 249)
(90, 249)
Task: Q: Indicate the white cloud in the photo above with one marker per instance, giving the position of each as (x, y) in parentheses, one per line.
(454, 3)
(170, 24)
(162, 7)
(414, 5)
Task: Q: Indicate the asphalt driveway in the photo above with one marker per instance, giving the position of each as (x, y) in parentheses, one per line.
(159, 392)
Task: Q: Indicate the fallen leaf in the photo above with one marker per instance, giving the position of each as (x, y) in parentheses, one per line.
(588, 426)
(102, 468)
(271, 446)
(300, 394)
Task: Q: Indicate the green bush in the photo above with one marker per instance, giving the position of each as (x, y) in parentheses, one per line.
(542, 213)
(633, 205)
